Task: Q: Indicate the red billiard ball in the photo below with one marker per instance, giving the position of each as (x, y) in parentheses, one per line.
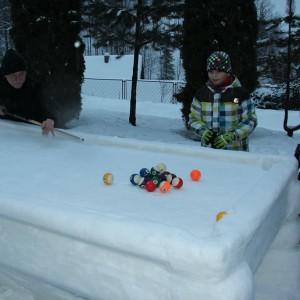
(150, 186)
(177, 182)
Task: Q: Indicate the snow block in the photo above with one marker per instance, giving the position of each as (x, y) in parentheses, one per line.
(61, 227)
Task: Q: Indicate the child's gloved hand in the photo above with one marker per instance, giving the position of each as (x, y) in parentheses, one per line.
(207, 136)
(223, 139)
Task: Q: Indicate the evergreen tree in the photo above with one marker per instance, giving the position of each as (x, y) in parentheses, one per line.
(264, 9)
(195, 49)
(264, 14)
(47, 34)
(167, 71)
(4, 26)
(230, 26)
(272, 49)
(139, 23)
(236, 33)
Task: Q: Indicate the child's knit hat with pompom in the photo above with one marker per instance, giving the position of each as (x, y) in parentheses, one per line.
(219, 61)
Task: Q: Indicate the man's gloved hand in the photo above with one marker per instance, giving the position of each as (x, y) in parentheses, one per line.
(223, 139)
(207, 136)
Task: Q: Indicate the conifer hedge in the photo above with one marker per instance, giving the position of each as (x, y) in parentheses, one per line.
(211, 25)
(47, 34)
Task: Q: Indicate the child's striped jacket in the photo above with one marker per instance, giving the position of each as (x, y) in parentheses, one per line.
(229, 109)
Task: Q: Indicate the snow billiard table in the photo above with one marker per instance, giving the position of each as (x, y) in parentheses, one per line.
(66, 235)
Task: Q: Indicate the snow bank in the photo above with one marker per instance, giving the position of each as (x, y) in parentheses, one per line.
(61, 227)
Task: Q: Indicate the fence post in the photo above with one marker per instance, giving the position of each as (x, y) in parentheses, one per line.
(123, 89)
(174, 92)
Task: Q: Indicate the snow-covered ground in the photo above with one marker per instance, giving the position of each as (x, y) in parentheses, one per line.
(162, 122)
(159, 126)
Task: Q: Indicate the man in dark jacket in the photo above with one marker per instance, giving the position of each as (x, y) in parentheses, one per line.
(19, 95)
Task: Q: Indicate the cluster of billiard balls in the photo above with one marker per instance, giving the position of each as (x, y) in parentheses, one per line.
(156, 177)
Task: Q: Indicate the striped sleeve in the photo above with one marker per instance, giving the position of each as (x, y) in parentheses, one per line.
(248, 119)
(196, 123)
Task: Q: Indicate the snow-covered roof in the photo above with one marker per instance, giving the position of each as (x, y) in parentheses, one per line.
(117, 67)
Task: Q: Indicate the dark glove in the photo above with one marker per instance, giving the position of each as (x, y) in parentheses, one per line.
(207, 136)
(223, 139)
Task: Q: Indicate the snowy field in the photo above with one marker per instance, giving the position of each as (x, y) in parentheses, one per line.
(112, 144)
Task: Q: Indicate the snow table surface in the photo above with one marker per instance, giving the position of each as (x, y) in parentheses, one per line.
(122, 242)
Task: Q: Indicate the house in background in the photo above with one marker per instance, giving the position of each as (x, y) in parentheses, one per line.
(110, 67)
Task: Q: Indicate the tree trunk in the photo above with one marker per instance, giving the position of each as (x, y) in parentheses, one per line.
(287, 104)
(132, 115)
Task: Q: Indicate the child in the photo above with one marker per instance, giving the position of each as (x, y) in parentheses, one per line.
(222, 113)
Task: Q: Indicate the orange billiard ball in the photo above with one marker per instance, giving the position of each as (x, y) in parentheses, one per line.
(195, 175)
(165, 186)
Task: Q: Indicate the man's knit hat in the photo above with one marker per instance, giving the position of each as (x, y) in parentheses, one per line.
(219, 61)
(12, 62)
